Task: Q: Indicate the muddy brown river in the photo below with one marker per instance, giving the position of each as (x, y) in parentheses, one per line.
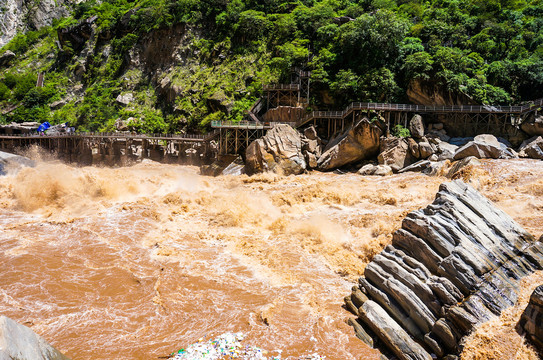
(136, 262)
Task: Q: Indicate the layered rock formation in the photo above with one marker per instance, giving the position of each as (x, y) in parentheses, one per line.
(532, 318)
(452, 266)
(21, 343)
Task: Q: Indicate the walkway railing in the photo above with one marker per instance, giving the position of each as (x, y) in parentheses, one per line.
(473, 109)
(248, 124)
(271, 87)
(115, 135)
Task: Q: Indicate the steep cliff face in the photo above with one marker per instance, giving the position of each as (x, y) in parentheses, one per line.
(20, 15)
(429, 93)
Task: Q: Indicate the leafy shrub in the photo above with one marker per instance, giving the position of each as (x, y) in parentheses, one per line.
(400, 131)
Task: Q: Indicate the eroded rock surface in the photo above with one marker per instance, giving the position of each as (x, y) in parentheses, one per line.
(453, 265)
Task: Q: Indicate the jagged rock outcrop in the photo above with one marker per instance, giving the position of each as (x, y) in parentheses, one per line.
(485, 147)
(532, 148)
(453, 265)
(19, 16)
(395, 153)
(280, 150)
(18, 342)
(358, 142)
(531, 321)
(445, 151)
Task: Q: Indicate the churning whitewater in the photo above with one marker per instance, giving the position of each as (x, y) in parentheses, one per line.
(138, 262)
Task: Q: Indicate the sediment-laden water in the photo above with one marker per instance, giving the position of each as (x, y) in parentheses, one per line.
(134, 263)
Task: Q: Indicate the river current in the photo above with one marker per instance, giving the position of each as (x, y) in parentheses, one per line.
(137, 262)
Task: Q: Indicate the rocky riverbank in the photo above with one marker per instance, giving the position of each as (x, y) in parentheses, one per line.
(366, 146)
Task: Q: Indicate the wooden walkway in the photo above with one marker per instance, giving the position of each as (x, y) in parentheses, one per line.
(117, 148)
(425, 109)
(113, 135)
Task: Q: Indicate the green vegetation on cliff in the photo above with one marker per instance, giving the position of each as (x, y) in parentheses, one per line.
(179, 64)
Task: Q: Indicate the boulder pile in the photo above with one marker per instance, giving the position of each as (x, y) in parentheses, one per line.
(453, 265)
(363, 142)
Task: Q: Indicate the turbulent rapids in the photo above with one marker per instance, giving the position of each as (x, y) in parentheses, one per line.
(136, 262)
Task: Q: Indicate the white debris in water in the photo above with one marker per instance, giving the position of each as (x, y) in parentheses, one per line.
(228, 346)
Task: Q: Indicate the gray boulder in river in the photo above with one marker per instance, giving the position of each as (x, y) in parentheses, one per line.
(453, 265)
(18, 342)
(8, 160)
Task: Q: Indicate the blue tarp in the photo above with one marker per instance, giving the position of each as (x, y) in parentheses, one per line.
(44, 126)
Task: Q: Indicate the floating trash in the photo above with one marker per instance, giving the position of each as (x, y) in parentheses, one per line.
(229, 346)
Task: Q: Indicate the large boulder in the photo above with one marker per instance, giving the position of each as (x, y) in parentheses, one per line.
(416, 126)
(532, 318)
(451, 266)
(359, 141)
(11, 161)
(17, 342)
(280, 150)
(445, 150)
(532, 148)
(426, 149)
(485, 147)
(533, 126)
(395, 153)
